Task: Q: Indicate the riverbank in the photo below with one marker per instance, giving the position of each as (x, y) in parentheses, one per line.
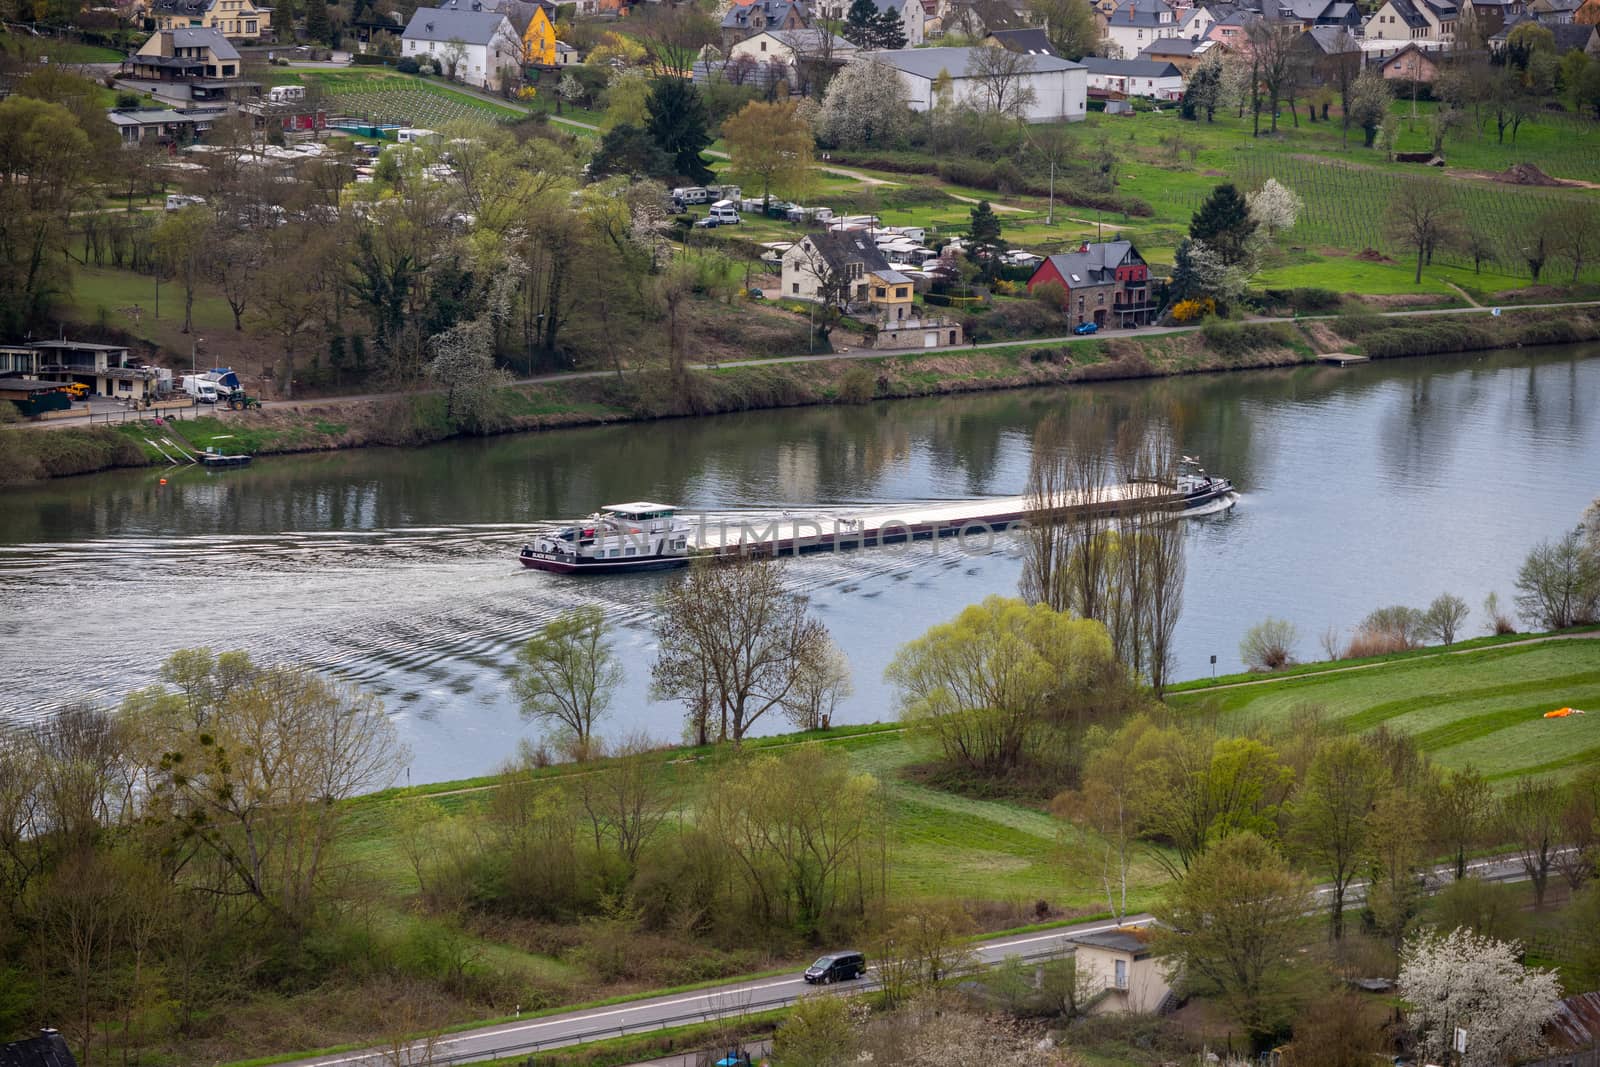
(855, 378)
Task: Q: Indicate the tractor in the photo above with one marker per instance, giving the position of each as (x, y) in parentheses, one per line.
(238, 401)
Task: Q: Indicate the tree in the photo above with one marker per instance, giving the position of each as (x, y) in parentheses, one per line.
(1331, 812)
(1580, 829)
(819, 690)
(1558, 584)
(567, 673)
(1204, 91)
(770, 143)
(1274, 207)
(1073, 29)
(982, 683)
(318, 27)
(1530, 818)
(1421, 215)
(1200, 273)
(1272, 51)
(1397, 845)
(1577, 232)
(44, 165)
(180, 239)
(628, 99)
(1231, 929)
(1370, 97)
(816, 1033)
(630, 151)
(678, 123)
(1444, 618)
(255, 782)
(1005, 78)
(1461, 804)
(985, 245)
(451, 56)
(860, 24)
(626, 799)
(888, 30)
(734, 644)
(289, 303)
(673, 36)
(1224, 224)
(866, 105)
(1269, 645)
(1462, 980)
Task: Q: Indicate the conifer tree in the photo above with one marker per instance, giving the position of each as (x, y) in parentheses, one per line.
(1224, 224)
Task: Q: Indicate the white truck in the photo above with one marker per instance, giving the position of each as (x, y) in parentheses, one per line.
(200, 387)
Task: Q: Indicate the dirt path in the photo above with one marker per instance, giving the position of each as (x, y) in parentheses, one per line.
(1464, 294)
(1592, 635)
(974, 200)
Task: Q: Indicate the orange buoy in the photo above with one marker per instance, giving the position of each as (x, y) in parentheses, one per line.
(163, 481)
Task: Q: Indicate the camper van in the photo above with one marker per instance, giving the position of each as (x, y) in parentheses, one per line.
(414, 135)
(725, 212)
(692, 194)
(179, 201)
(283, 94)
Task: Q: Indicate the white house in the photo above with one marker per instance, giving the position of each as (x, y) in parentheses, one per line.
(1414, 20)
(1059, 86)
(1136, 23)
(1135, 77)
(1122, 974)
(785, 45)
(913, 19)
(486, 42)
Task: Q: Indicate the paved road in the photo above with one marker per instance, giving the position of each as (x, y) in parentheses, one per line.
(737, 998)
(865, 353)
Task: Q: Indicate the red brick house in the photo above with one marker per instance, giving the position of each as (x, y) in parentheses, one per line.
(1107, 283)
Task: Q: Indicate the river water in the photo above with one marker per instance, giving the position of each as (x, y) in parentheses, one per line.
(396, 569)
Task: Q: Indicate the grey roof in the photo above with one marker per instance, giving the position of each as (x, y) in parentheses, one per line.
(9, 384)
(1093, 266)
(931, 62)
(810, 40)
(839, 247)
(996, 15)
(1119, 940)
(1571, 36)
(1331, 40)
(1131, 68)
(148, 116)
(79, 346)
(1409, 15)
(893, 277)
(202, 37)
(46, 1050)
(181, 7)
(1031, 41)
(447, 24)
(1174, 46)
(772, 11)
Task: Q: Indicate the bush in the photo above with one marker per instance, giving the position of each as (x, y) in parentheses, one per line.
(1404, 626)
(1444, 618)
(1191, 310)
(1238, 339)
(1013, 319)
(1316, 299)
(1269, 645)
(372, 59)
(1052, 294)
(407, 65)
(857, 386)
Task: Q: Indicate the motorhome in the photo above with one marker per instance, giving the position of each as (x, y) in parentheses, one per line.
(414, 135)
(692, 194)
(725, 212)
(179, 201)
(283, 94)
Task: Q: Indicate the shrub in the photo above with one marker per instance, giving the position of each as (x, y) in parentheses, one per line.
(1052, 294)
(1368, 642)
(1009, 288)
(1238, 339)
(1269, 645)
(857, 386)
(1021, 318)
(1191, 310)
(407, 65)
(1405, 625)
(1316, 299)
(1500, 623)
(1444, 618)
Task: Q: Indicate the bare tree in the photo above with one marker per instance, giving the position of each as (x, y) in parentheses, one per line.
(568, 671)
(627, 799)
(730, 631)
(1421, 215)
(1530, 817)
(1272, 52)
(1004, 77)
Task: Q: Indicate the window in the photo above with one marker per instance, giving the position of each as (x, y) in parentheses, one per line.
(1100, 298)
(882, 292)
(1121, 980)
(763, 46)
(900, 293)
(795, 286)
(631, 551)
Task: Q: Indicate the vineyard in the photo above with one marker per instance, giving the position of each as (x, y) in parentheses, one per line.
(1344, 208)
(407, 101)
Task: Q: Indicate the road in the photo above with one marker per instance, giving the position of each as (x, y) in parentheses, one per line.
(524, 1037)
(864, 353)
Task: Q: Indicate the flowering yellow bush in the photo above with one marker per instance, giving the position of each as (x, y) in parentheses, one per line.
(527, 92)
(1005, 288)
(1190, 310)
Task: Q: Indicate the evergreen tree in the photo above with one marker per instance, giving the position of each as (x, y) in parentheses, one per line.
(318, 28)
(861, 24)
(888, 29)
(985, 246)
(1224, 224)
(630, 151)
(678, 123)
(1201, 94)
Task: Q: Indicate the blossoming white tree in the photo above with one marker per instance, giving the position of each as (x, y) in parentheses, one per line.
(1275, 206)
(866, 105)
(1461, 980)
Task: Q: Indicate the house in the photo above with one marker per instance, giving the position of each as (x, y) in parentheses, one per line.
(839, 260)
(1029, 42)
(1135, 23)
(148, 125)
(1233, 30)
(1414, 20)
(1134, 77)
(185, 55)
(539, 39)
(1323, 50)
(890, 294)
(1185, 53)
(32, 398)
(913, 17)
(1410, 64)
(1122, 973)
(46, 1050)
(979, 18)
(239, 20)
(1310, 13)
(1554, 12)
(1195, 22)
(793, 47)
(744, 21)
(106, 370)
(1493, 15)
(482, 44)
(1107, 283)
(1588, 14)
(1059, 86)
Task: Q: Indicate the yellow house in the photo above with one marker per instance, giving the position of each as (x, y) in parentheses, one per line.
(890, 292)
(539, 40)
(236, 19)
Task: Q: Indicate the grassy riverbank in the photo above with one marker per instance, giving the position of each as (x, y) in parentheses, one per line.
(422, 418)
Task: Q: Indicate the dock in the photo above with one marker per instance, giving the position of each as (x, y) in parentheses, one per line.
(1342, 359)
(788, 534)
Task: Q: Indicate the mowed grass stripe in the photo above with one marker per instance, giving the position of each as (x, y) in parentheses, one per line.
(1472, 727)
(1371, 717)
(1577, 759)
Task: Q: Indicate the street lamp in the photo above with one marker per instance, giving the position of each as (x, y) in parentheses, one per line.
(194, 368)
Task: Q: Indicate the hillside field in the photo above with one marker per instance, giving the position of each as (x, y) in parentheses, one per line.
(1483, 708)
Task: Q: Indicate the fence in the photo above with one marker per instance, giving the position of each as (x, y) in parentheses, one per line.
(155, 415)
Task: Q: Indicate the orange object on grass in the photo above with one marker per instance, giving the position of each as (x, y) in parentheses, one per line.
(1559, 713)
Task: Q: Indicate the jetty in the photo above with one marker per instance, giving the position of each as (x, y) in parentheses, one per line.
(1343, 359)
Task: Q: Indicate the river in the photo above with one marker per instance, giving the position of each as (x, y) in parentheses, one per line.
(395, 569)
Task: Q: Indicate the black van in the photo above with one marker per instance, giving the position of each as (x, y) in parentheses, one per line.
(837, 967)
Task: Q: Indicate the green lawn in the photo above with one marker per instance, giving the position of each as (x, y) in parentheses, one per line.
(386, 96)
(104, 291)
(1483, 708)
(56, 49)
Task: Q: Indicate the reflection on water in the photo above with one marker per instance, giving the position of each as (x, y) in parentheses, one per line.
(395, 568)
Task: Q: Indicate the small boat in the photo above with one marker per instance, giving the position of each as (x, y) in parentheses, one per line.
(213, 459)
(619, 538)
(1196, 488)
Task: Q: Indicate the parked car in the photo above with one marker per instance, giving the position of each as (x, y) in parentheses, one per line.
(710, 222)
(1086, 328)
(756, 294)
(836, 967)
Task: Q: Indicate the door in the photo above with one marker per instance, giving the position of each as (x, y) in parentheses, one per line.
(930, 339)
(1122, 974)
